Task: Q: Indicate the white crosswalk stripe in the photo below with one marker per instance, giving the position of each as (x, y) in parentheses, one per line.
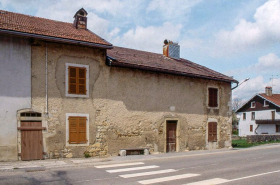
(148, 173)
(170, 178)
(209, 182)
(119, 165)
(132, 169)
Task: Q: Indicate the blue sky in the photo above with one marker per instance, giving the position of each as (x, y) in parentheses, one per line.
(239, 38)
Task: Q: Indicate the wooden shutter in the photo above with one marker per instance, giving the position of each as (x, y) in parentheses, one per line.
(213, 97)
(73, 130)
(253, 116)
(212, 131)
(82, 80)
(77, 130)
(272, 115)
(82, 129)
(72, 86)
(251, 128)
(277, 128)
(77, 80)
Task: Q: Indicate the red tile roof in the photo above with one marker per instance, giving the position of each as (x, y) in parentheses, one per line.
(158, 62)
(275, 98)
(45, 27)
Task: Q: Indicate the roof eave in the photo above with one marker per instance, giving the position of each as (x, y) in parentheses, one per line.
(126, 65)
(253, 98)
(269, 100)
(56, 39)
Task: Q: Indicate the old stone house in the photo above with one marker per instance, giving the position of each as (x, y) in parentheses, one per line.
(66, 92)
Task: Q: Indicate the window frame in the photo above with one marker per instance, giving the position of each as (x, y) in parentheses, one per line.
(253, 116)
(67, 129)
(217, 98)
(272, 115)
(265, 103)
(253, 103)
(67, 94)
(244, 115)
(277, 128)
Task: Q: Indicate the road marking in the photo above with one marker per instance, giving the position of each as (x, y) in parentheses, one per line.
(209, 182)
(261, 174)
(221, 181)
(163, 179)
(118, 165)
(148, 173)
(132, 169)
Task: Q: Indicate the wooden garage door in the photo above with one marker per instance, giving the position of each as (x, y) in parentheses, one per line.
(31, 140)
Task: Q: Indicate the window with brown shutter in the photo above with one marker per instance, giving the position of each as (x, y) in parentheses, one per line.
(253, 116)
(251, 128)
(244, 116)
(213, 97)
(212, 131)
(273, 115)
(77, 130)
(77, 80)
(277, 128)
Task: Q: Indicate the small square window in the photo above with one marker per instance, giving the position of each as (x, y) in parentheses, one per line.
(77, 129)
(77, 80)
(253, 104)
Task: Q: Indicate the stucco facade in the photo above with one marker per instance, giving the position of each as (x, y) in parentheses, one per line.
(15, 90)
(66, 92)
(127, 108)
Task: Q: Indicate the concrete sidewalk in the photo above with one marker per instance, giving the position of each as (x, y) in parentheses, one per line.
(41, 165)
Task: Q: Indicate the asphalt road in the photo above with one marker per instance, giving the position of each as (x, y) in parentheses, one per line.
(257, 166)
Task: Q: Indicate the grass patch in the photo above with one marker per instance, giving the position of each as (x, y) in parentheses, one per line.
(242, 143)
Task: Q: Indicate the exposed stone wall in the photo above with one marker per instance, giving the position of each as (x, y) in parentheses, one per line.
(262, 138)
(127, 108)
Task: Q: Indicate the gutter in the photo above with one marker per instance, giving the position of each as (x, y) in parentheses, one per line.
(110, 62)
(56, 39)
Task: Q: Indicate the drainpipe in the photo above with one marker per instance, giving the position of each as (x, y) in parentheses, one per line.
(47, 111)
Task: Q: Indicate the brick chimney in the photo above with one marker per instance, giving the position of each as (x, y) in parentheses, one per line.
(171, 49)
(80, 19)
(268, 91)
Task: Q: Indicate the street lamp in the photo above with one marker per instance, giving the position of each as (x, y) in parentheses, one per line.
(240, 83)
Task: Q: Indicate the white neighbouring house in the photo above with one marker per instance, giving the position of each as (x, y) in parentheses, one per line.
(260, 115)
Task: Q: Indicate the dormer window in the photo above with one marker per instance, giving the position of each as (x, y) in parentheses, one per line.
(265, 103)
(253, 104)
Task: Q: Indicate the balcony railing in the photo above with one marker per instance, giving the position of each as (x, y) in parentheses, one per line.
(267, 121)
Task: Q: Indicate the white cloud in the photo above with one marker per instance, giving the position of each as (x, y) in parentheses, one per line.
(267, 72)
(149, 38)
(249, 88)
(172, 9)
(251, 35)
(268, 64)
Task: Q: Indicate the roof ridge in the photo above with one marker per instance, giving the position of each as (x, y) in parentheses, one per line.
(35, 16)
